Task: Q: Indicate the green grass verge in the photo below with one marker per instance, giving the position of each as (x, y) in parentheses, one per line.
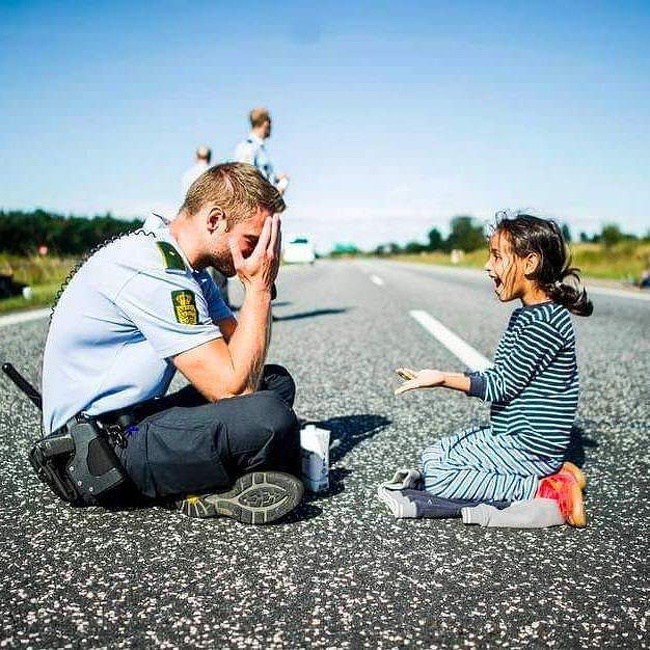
(42, 296)
(44, 275)
(36, 270)
(624, 262)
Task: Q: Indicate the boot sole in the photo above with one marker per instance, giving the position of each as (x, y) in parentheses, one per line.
(577, 473)
(256, 498)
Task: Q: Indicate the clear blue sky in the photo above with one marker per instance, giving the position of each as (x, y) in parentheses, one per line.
(390, 117)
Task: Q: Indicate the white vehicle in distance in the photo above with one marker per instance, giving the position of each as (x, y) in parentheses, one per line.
(299, 250)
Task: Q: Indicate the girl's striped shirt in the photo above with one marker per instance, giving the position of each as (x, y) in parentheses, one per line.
(533, 385)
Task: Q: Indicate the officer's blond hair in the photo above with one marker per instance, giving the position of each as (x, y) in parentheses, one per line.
(237, 188)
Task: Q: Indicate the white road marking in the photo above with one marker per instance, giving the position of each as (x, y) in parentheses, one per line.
(465, 352)
(377, 280)
(24, 316)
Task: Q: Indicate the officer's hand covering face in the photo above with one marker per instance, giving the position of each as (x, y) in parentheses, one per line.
(243, 236)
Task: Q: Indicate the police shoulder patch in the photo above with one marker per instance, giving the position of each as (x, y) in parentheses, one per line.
(185, 307)
(171, 257)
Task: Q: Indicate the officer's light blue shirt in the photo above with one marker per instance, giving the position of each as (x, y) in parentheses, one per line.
(253, 151)
(132, 306)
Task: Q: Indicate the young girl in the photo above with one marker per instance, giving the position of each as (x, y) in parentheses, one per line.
(532, 387)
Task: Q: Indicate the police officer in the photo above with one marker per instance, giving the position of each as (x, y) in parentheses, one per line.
(143, 307)
(253, 149)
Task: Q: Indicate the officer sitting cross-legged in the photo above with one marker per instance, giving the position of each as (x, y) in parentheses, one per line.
(141, 308)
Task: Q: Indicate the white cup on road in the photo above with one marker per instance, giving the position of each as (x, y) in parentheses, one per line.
(315, 458)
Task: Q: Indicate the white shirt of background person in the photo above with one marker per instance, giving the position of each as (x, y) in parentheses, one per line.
(253, 151)
(203, 156)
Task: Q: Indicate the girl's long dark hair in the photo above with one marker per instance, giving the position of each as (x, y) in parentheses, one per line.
(554, 274)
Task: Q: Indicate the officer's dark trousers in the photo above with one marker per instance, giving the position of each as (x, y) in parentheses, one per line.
(192, 446)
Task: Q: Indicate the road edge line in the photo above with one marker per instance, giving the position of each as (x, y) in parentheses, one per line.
(24, 317)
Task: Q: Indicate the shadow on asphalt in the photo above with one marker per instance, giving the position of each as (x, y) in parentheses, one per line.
(307, 509)
(576, 451)
(337, 485)
(280, 303)
(347, 431)
(310, 314)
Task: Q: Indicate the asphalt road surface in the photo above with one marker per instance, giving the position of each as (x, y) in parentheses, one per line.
(342, 572)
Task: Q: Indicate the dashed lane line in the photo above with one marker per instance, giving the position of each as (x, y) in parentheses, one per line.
(463, 351)
(375, 279)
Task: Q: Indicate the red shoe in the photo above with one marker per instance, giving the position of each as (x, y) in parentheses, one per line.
(564, 488)
(570, 468)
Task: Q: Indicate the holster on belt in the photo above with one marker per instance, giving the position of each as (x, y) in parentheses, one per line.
(79, 464)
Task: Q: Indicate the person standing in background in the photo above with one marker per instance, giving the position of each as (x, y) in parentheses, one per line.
(253, 150)
(203, 156)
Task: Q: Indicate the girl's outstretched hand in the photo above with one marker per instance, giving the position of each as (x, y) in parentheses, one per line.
(405, 373)
(426, 378)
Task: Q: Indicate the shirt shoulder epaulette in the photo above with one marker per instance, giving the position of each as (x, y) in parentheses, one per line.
(172, 259)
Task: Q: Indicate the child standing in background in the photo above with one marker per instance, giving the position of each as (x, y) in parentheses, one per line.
(532, 387)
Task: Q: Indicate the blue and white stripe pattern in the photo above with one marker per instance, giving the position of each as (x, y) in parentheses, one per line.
(479, 465)
(533, 388)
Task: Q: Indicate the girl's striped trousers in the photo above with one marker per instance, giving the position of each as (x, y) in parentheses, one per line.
(478, 465)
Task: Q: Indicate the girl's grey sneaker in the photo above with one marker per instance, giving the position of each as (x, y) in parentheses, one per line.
(399, 505)
(405, 479)
(255, 498)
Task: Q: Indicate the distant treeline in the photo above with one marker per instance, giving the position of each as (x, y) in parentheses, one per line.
(23, 233)
(468, 234)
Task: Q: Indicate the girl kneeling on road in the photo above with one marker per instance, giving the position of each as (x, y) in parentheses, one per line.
(532, 388)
